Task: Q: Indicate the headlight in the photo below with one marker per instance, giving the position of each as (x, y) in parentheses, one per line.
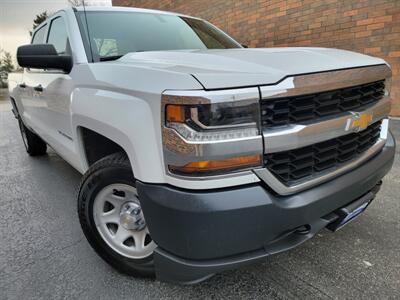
(213, 167)
(202, 138)
(214, 116)
(213, 122)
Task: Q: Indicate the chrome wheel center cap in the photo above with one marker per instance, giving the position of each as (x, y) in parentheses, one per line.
(131, 217)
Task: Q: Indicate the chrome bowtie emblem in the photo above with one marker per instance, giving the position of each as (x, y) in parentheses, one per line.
(359, 121)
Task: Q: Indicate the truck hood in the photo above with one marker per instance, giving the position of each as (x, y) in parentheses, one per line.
(216, 69)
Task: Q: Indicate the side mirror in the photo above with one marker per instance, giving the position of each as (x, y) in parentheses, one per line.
(43, 56)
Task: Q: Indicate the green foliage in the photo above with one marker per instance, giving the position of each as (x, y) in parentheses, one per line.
(6, 66)
(75, 2)
(38, 20)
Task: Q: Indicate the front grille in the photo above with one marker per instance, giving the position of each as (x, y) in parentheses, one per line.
(294, 165)
(297, 109)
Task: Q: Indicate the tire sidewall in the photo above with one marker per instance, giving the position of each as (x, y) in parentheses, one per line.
(94, 183)
(34, 145)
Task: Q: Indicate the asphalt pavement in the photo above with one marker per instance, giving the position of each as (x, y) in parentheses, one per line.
(44, 255)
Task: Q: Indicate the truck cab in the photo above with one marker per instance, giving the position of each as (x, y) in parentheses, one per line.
(199, 155)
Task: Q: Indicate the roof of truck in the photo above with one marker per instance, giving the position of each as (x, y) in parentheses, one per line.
(128, 9)
(114, 8)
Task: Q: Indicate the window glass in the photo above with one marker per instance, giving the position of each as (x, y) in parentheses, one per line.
(118, 33)
(58, 36)
(106, 47)
(38, 37)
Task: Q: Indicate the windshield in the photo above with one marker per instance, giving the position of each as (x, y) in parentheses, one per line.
(113, 34)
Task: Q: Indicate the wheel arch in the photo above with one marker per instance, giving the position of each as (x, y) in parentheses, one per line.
(94, 144)
(126, 120)
(90, 142)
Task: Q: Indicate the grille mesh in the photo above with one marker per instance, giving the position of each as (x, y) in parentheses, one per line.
(294, 165)
(293, 110)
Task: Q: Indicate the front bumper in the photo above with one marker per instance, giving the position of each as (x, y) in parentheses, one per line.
(200, 233)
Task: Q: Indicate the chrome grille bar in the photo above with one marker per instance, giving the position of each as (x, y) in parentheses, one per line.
(282, 189)
(298, 136)
(294, 136)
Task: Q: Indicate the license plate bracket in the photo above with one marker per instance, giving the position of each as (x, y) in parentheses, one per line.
(350, 212)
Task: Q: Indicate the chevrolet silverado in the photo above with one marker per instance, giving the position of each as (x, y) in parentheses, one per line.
(199, 155)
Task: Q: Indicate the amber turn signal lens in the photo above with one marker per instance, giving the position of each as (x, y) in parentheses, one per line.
(218, 165)
(175, 113)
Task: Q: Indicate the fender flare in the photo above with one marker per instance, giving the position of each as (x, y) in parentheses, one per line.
(108, 132)
(127, 120)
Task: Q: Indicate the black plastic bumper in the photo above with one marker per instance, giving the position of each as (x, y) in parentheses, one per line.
(202, 233)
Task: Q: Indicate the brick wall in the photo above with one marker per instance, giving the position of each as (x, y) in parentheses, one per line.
(367, 26)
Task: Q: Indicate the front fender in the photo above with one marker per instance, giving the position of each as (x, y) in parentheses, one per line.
(125, 119)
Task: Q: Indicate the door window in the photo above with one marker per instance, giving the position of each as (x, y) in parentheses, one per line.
(58, 36)
(38, 37)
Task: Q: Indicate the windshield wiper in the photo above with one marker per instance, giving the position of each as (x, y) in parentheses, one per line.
(108, 58)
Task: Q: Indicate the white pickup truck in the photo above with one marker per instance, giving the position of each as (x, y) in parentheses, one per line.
(200, 155)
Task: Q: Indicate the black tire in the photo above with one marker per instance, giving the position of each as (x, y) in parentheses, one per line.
(109, 170)
(34, 145)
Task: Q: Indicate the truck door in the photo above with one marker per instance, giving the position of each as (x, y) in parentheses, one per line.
(52, 92)
(29, 97)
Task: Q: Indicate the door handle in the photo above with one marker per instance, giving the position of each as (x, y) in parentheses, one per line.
(38, 88)
(22, 85)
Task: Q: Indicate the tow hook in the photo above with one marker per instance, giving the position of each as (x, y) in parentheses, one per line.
(305, 229)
